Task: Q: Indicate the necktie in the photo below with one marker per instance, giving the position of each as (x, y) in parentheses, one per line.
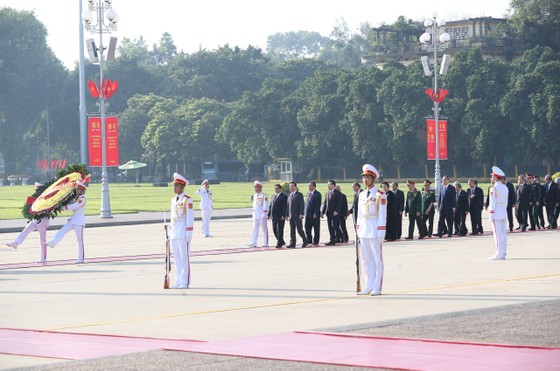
(291, 197)
(368, 193)
(177, 199)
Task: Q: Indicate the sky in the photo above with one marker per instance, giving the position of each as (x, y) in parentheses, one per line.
(208, 24)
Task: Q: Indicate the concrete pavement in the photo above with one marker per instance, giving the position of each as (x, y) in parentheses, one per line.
(238, 292)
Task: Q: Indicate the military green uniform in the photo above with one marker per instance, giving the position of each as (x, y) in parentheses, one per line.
(412, 207)
(536, 211)
(428, 201)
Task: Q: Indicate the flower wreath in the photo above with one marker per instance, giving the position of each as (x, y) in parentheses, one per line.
(50, 198)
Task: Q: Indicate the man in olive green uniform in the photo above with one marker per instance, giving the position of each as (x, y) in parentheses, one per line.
(428, 207)
(413, 208)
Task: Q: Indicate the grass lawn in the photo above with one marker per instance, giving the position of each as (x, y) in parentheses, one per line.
(128, 198)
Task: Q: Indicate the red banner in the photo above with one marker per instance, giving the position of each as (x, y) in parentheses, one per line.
(431, 139)
(111, 141)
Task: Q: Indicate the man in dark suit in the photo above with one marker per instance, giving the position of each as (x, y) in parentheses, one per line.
(446, 205)
(277, 212)
(511, 201)
(551, 200)
(524, 200)
(399, 204)
(343, 215)
(460, 217)
(331, 207)
(537, 211)
(295, 215)
(357, 188)
(313, 214)
(475, 197)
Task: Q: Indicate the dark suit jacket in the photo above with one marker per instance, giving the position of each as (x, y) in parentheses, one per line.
(354, 209)
(447, 199)
(279, 206)
(511, 195)
(476, 203)
(334, 204)
(295, 205)
(399, 200)
(313, 207)
(343, 205)
(552, 195)
(462, 201)
(524, 197)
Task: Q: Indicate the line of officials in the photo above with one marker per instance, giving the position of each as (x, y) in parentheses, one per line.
(526, 201)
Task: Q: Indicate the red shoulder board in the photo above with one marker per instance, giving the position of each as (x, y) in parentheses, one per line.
(378, 191)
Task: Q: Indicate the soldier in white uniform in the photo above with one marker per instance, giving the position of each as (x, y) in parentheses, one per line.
(497, 211)
(260, 215)
(33, 225)
(182, 222)
(76, 222)
(371, 224)
(205, 206)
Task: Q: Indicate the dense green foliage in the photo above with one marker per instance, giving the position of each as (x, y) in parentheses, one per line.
(309, 97)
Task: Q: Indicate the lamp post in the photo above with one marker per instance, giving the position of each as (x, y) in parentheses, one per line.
(435, 39)
(101, 18)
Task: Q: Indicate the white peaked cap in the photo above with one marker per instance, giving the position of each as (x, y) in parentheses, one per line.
(498, 172)
(178, 178)
(368, 169)
(205, 181)
(81, 184)
(257, 183)
(37, 184)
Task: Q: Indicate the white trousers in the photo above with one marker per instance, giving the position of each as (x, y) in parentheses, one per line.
(499, 228)
(78, 230)
(42, 229)
(372, 255)
(181, 253)
(206, 216)
(260, 224)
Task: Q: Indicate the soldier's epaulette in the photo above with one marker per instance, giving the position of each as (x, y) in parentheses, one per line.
(378, 191)
(187, 196)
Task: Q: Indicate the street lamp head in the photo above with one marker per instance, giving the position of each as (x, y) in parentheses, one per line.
(441, 22)
(425, 38)
(87, 16)
(108, 1)
(428, 23)
(434, 15)
(111, 15)
(90, 1)
(444, 37)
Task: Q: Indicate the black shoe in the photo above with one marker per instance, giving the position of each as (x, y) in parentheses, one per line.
(291, 246)
(523, 229)
(408, 238)
(449, 235)
(330, 244)
(304, 245)
(532, 229)
(518, 228)
(481, 232)
(472, 234)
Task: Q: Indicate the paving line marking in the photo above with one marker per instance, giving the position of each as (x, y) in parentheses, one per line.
(353, 297)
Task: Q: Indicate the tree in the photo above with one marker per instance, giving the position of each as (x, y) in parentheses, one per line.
(32, 79)
(285, 46)
(536, 22)
(262, 126)
(532, 106)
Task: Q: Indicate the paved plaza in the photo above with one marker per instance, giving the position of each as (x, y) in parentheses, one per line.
(243, 298)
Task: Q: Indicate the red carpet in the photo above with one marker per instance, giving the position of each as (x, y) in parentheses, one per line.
(325, 348)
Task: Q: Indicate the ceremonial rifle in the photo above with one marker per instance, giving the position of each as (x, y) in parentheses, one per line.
(167, 258)
(358, 285)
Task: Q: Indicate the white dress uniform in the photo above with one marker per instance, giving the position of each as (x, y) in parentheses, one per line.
(260, 216)
(497, 211)
(31, 226)
(205, 208)
(76, 222)
(182, 223)
(370, 227)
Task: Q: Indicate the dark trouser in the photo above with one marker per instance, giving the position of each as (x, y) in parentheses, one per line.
(538, 215)
(278, 229)
(556, 213)
(315, 225)
(343, 229)
(476, 221)
(510, 216)
(398, 224)
(419, 223)
(532, 215)
(295, 223)
(445, 223)
(551, 215)
(430, 220)
(460, 220)
(334, 228)
(521, 216)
